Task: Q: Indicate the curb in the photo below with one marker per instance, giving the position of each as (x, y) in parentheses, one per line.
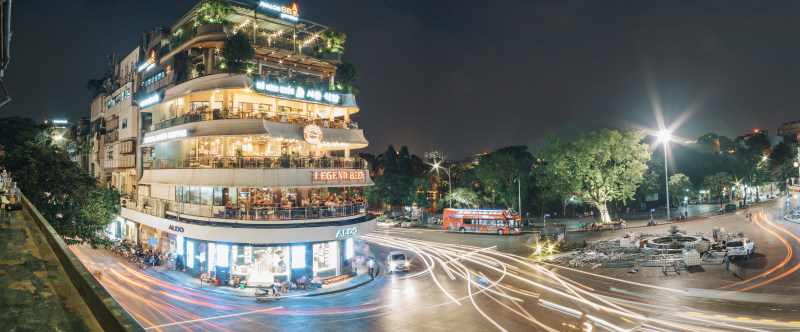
(276, 298)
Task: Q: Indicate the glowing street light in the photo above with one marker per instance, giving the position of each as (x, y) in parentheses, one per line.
(449, 182)
(664, 137)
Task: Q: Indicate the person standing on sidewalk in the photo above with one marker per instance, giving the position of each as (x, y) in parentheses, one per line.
(371, 265)
(355, 267)
(727, 261)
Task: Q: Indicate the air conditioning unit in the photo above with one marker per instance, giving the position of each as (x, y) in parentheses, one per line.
(124, 202)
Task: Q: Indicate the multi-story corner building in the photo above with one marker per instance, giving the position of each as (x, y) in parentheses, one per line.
(241, 175)
(790, 131)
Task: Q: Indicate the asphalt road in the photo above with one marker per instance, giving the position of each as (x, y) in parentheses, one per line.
(488, 282)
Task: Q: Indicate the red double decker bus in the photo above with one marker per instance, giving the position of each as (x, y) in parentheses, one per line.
(481, 221)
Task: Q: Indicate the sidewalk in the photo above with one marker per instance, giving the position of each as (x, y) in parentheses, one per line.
(185, 280)
(36, 293)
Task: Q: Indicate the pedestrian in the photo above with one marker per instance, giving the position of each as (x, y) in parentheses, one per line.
(727, 261)
(355, 267)
(371, 265)
(592, 214)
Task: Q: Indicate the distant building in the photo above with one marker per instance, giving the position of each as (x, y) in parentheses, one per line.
(434, 155)
(759, 136)
(790, 131)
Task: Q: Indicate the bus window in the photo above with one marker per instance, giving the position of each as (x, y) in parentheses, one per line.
(467, 221)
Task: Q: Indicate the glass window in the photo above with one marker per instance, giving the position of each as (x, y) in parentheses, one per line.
(222, 255)
(298, 257)
(325, 258)
(179, 194)
(206, 195)
(218, 197)
(124, 123)
(189, 254)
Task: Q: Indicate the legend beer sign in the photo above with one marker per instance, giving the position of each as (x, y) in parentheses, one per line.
(339, 176)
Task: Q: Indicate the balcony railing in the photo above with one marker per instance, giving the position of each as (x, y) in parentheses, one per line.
(258, 162)
(236, 113)
(251, 213)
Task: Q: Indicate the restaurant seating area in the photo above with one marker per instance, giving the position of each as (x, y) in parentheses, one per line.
(283, 115)
(286, 161)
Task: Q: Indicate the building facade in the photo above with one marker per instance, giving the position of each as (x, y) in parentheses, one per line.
(248, 175)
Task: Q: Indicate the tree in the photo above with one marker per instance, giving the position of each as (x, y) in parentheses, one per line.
(346, 76)
(717, 185)
(418, 192)
(213, 11)
(15, 132)
(461, 198)
(497, 171)
(63, 192)
(238, 51)
(95, 86)
(599, 166)
(334, 40)
(679, 186)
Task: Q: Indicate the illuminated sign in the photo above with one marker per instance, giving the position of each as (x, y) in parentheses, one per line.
(176, 228)
(286, 13)
(299, 92)
(165, 136)
(339, 175)
(150, 63)
(347, 232)
(312, 134)
(149, 101)
(60, 121)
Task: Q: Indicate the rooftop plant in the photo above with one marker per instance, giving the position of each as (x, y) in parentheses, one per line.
(213, 11)
(334, 40)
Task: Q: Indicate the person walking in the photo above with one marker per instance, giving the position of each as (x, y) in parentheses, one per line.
(371, 265)
(727, 261)
(355, 267)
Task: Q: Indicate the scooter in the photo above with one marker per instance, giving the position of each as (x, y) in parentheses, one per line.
(265, 294)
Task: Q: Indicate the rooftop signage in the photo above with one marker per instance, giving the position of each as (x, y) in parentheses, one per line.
(347, 232)
(149, 63)
(286, 13)
(299, 92)
(149, 100)
(312, 134)
(165, 136)
(339, 176)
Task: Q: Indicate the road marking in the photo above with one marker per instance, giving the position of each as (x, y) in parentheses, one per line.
(212, 318)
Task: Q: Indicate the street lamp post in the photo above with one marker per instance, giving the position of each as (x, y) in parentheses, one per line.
(519, 196)
(664, 136)
(449, 182)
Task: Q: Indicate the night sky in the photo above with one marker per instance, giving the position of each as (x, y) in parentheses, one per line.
(471, 76)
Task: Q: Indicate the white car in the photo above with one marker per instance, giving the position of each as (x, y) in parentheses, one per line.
(740, 247)
(397, 261)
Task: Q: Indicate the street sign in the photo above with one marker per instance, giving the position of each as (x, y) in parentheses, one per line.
(794, 190)
(788, 204)
(652, 209)
(547, 215)
(201, 248)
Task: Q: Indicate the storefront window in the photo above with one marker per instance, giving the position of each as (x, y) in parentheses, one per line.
(179, 243)
(218, 197)
(261, 265)
(348, 248)
(326, 258)
(298, 257)
(206, 195)
(189, 254)
(212, 256)
(222, 255)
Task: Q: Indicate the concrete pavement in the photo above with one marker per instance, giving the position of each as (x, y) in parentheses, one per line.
(35, 292)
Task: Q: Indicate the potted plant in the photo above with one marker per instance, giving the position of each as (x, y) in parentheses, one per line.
(285, 160)
(239, 155)
(333, 44)
(237, 51)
